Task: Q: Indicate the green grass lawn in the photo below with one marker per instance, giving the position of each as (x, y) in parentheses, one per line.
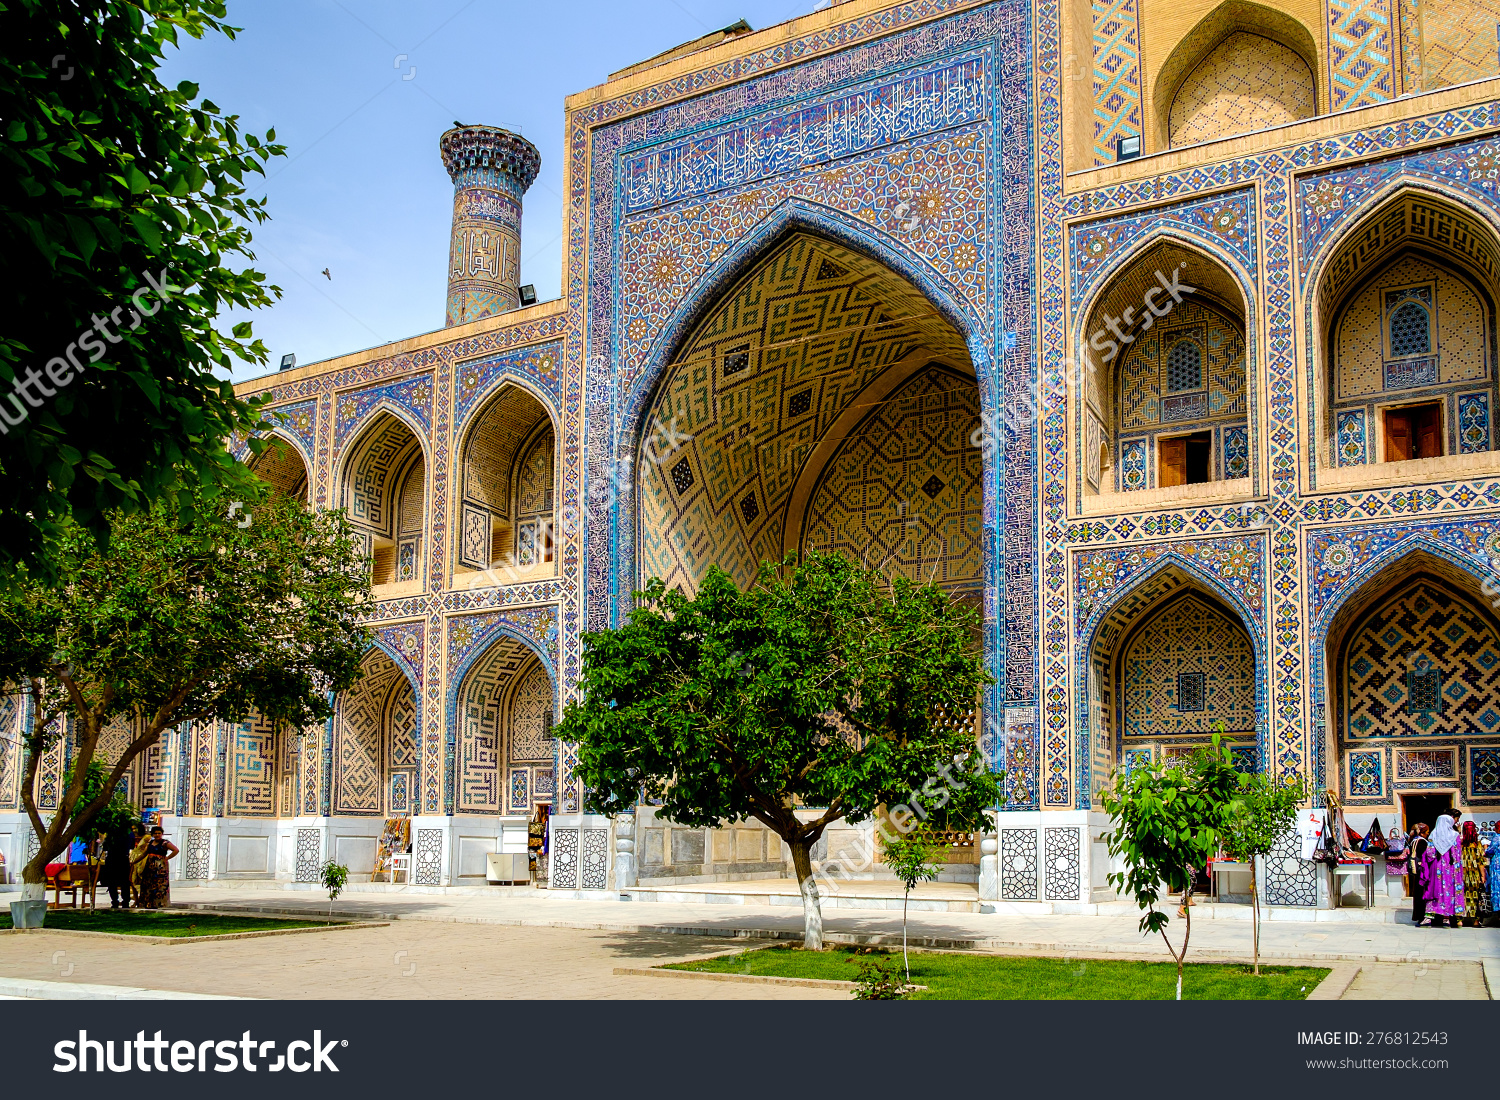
(965, 977)
(173, 923)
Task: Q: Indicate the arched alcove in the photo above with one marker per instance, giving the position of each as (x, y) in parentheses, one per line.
(1404, 321)
(375, 743)
(281, 466)
(384, 489)
(504, 752)
(1167, 400)
(507, 507)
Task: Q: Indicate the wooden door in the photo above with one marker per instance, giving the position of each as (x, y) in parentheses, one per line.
(1426, 430)
(1172, 465)
(1398, 437)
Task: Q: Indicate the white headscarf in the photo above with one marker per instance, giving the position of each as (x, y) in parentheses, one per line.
(1444, 835)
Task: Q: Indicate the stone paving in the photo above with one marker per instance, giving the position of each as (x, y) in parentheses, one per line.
(1113, 932)
(1419, 981)
(408, 960)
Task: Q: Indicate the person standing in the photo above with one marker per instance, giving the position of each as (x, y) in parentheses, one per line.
(1416, 884)
(156, 891)
(1475, 869)
(1443, 872)
(116, 873)
(137, 861)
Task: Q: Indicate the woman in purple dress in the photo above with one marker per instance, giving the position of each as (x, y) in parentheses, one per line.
(1443, 873)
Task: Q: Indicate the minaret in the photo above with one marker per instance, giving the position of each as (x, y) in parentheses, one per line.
(491, 169)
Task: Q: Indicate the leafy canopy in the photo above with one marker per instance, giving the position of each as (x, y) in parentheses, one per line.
(820, 685)
(107, 177)
(1267, 810)
(182, 621)
(1170, 817)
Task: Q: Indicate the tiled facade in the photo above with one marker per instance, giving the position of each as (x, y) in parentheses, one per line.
(798, 263)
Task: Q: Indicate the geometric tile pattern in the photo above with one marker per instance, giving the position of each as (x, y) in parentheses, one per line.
(1246, 83)
(1350, 448)
(309, 855)
(1422, 624)
(1063, 863)
(594, 859)
(1117, 76)
(1018, 864)
(1484, 772)
(1290, 880)
(873, 502)
(1450, 42)
(428, 853)
(195, 854)
(252, 784)
(1361, 51)
(1188, 635)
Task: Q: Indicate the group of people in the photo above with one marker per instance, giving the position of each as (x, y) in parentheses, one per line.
(135, 867)
(1454, 876)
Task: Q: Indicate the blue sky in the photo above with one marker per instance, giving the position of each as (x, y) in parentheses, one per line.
(362, 190)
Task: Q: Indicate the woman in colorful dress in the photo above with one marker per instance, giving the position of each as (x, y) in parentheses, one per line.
(155, 889)
(1476, 866)
(1442, 873)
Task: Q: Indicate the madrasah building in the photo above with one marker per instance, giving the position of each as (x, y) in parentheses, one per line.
(1164, 331)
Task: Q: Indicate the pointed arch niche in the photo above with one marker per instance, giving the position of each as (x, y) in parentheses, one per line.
(1166, 412)
(504, 753)
(823, 401)
(384, 490)
(1167, 664)
(1412, 671)
(1403, 325)
(1244, 67)
(507, 510)
(375, 742)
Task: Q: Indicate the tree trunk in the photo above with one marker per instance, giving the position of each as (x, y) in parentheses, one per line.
(812, 915)
(1187, 933)
(1255, 915)
(34, 879)
(905, 958)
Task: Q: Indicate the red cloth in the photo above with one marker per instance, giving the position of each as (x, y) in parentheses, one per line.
(54, 868)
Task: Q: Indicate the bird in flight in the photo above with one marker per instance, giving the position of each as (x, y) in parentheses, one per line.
(327, 276)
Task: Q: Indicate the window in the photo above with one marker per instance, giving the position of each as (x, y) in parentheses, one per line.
(1424, 689)
(1184, 367)
(1189, 692)
(1411, 330)
(1184, 460)
(1413, 432)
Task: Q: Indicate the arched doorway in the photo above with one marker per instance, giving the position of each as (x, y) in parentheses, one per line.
(821, 401)
(504, 756)
(375, 743)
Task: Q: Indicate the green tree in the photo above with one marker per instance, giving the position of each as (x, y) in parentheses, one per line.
(909, 858)
(1170, 816)
(334, 877)
(1268, 809)
(179, 621)
(817, 694)
(123, 208)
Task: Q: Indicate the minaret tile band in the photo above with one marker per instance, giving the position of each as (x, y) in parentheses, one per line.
(491, 170)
